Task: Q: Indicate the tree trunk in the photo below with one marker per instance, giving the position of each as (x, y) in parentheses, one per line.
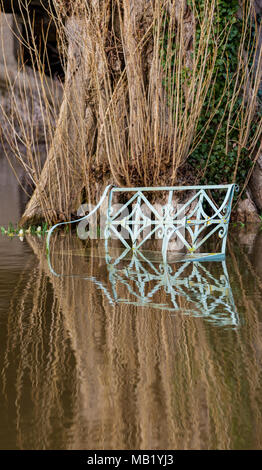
(58, 192)
(114, 122)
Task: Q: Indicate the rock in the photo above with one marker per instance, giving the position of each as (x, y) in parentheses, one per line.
(247, 237)
(258, 6)
(247, 211)
(29, 102)
(255, 184)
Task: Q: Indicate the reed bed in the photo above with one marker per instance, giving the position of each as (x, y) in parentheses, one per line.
(138, 78)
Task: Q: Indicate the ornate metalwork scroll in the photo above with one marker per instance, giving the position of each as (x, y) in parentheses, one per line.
(193, 222)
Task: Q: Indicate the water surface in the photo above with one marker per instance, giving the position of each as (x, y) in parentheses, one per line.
(85, 364)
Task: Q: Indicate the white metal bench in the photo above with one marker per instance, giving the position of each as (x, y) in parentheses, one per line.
(192, 222)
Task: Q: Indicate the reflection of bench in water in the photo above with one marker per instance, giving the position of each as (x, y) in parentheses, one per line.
(190, 287)
(207, 295)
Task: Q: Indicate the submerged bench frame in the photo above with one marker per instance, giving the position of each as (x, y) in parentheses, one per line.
(168, 222)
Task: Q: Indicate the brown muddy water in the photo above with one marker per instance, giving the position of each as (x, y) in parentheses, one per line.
(100, 358)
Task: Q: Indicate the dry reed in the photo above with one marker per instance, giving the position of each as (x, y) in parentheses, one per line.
(136, 86)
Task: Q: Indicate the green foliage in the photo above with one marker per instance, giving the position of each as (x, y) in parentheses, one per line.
(12, 231)
(218, 154)
(219, 167)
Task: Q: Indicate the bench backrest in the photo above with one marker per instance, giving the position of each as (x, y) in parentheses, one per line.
(191, 222)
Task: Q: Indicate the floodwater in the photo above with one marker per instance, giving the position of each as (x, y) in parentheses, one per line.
(101, 356)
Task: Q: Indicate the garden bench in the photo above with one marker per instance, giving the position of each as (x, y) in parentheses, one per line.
(191, 222)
